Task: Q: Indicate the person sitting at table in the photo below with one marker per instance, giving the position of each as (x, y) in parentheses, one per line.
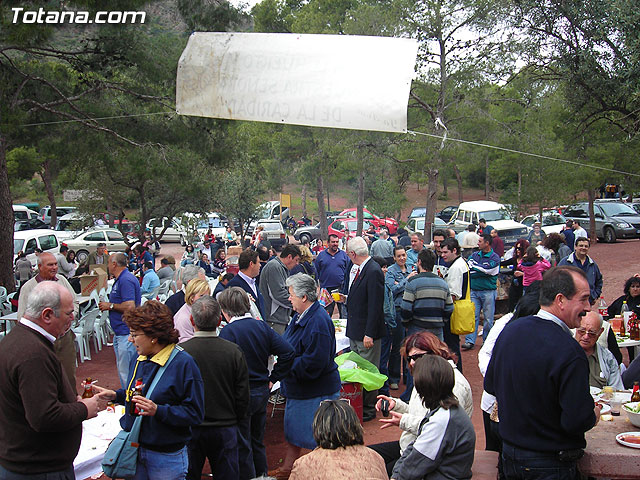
(341, 452)
(446, 441)
(632, 297)
(408, 417)
(631, 374)
(603, 367)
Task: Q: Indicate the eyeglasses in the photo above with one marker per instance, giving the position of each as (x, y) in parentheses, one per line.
(416, 356)
(584, 331)
(134, 335)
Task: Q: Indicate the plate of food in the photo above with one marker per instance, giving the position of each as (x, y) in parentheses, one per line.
(629, 439)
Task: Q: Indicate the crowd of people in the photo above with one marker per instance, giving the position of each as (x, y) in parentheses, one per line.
(199, 367)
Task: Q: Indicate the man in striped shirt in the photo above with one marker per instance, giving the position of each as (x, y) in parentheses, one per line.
(426, 302)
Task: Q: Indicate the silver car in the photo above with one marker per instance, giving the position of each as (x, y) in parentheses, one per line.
(614, 219)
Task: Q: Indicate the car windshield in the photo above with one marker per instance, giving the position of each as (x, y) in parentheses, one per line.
(617, 210)
(270, 226)
(17, 244)
(494, 215)
(66, 225)
(212, 222)
(353, 225)
(437, 221)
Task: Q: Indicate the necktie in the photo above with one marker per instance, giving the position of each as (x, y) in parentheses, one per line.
(356, 277)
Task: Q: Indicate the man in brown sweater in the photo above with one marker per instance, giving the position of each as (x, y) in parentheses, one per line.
(41, 420)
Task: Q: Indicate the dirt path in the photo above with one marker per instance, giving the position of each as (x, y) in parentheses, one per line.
(617, 262)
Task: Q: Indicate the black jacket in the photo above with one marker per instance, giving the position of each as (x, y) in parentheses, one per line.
(365, 304)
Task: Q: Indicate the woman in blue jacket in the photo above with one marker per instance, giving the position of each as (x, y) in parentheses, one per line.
(176, 403)
(314, 374)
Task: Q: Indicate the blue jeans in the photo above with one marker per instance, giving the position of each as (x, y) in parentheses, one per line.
(167, 466)
(252, 454)
(390, 356)
(520, 464)
(484, 300)
(411, 329)
(125, 354)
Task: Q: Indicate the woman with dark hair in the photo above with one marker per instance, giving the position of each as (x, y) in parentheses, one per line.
(555, 243)
(314, 374)
(219, 262)
(632, 297)
(408, 417)
(189, 256)
(517, 254)
(341, 452)
(446, 440)
(176, 403)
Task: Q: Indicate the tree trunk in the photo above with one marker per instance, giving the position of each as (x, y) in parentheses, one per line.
(303, 200)
(432, 190)
(519, 187)
(445, 185)
(360, 205)
(456, 170)
(328, 204)
(48, 186)
(324, 234)
(7, 278)
(591, 195)
(486, 178)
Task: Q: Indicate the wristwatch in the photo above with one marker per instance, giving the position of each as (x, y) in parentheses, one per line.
(111, 306)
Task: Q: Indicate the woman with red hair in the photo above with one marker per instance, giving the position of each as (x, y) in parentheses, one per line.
(409, 416)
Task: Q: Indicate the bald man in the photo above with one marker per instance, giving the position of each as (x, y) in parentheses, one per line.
(64, 346)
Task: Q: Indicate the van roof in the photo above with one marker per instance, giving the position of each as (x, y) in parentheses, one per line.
(480, 206)
(24, 234)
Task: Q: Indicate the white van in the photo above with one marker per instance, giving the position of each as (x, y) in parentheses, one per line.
(28, 240)
(496, 216)
(71, 225)
(20, 212)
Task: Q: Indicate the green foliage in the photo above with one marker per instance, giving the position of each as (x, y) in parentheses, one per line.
(22, 163)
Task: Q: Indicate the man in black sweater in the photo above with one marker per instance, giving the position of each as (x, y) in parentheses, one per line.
(226, 394)
(540, 377)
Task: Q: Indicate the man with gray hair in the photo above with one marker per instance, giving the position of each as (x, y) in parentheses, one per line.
(603, 367)
(65, 346)
(365, 315)
(382, 247)
(226, 394)
(125, 295)
(41, 421)
(186, 274)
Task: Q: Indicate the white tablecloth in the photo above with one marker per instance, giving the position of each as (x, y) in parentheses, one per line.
(97, 433)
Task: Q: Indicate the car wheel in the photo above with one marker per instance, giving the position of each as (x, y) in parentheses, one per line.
(81, 256)
(305, 238)
(609, 235)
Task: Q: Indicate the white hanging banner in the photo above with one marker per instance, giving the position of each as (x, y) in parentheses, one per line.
(338, 81)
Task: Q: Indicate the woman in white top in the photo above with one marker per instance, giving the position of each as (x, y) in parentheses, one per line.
(408, 416)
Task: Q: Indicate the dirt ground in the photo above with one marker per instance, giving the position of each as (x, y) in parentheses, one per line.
(617, 262)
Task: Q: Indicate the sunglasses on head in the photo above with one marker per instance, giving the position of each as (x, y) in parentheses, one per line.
(416, 356)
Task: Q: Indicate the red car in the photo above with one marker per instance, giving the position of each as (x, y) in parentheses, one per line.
(391, 224)
(338, 226)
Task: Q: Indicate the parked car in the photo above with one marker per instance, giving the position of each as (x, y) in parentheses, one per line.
(447, 212)
(87, 242)
(174, 232)
(71, 225)
(45, 213)
(275, 232)
(496, 216)
(21, 212)
(28, 240)
(417, 212)
(202, 223)
(614, 219)
(552, 221)
(417, 224)
(337, 227)
(635, 206)
(30, 224)
(391, 224)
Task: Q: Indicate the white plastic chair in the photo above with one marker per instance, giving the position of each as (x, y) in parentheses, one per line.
(3, 294)
(164, 287)
(100, 332)
(152, 294)
(84, 331)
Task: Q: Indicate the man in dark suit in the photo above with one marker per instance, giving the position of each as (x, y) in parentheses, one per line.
(249, 266)
(365, 316)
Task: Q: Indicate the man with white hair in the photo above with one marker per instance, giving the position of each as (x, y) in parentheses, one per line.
(365, 316)
(41, 421)
(64, 346)
(603, 367)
